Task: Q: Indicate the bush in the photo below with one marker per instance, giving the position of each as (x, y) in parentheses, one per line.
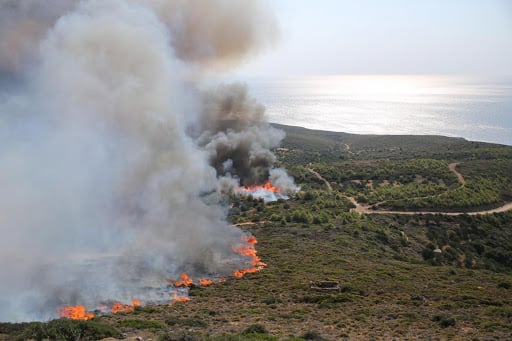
(190, 322)
(271, 300)
(181, 336)
(65, 329)
(255, 329)
(326, 301)
(309, 195)
(444, 321)
(504, 285)
(427, 253)
(312, 335)
(193, 322)
(172, 320)
(141, 324)
(301, 216)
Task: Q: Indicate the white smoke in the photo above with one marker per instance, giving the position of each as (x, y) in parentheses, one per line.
(108, 149)
(280, 179)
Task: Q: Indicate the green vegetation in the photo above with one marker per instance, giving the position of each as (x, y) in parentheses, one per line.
(444, 321)
(401, 276)
(190, 322)
(61, 329)
(140, 324)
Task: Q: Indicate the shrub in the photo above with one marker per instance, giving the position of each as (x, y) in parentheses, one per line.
(172, 320)
(271, 300)
(65, 329)
(190, 322)
(193, 322)
(309, 195)
(255, 329)
(504, 285)
(147, 310)
(181, 336)
(141, 324)
(312, 335)
(444, 321)
(301, 216)
(427, 253)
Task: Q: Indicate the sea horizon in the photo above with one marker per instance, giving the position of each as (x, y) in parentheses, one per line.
(475, 108)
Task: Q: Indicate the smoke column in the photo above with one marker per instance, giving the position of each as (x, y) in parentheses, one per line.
(110, 146)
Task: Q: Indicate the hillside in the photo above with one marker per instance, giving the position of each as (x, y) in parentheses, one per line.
(446, 274)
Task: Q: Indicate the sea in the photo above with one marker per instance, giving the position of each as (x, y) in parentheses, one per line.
(477, 109)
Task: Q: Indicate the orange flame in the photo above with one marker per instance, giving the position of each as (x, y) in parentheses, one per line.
(124, 308)
(266, 186)
(185, 281)
(177, 298)
(245, 248)
(120, 308)
(77, 312)
(205, 282)
(249, 251)
(80, 313)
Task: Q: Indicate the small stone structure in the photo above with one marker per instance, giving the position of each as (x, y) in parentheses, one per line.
(325, 286)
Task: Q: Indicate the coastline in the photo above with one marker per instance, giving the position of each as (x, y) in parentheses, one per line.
(475, 108)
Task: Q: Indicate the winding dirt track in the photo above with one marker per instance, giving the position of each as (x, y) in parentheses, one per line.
(459, 176)
(347, 148)
(318, 176)
(367, 210)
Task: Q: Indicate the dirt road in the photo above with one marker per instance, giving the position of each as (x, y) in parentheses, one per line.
(318, 176)
(367, 210)
(454, 170)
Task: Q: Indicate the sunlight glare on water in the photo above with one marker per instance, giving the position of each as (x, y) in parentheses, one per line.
(472, 108)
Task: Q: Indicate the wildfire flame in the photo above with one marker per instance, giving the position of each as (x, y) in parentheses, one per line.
(244, 248)
(124, 308)
(267, 192)
(177, 298)
(77, 312)
(186, 281)
(267, 187)
(80, 313)
(204, 282)
(247, 249)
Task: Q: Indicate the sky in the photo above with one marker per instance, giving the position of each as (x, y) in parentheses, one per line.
(463, 37)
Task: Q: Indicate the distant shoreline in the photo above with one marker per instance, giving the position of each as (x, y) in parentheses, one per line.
(343, 133)
(477, 109)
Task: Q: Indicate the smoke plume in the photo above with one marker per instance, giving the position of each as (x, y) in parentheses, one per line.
(23, 23)
(110, 146)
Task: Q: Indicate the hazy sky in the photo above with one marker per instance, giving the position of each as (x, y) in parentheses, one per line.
(387, 37)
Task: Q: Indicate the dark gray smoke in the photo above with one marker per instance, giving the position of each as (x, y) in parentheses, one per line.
(108, 146)
(235, 134)
(229, 106)
(244, 154)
